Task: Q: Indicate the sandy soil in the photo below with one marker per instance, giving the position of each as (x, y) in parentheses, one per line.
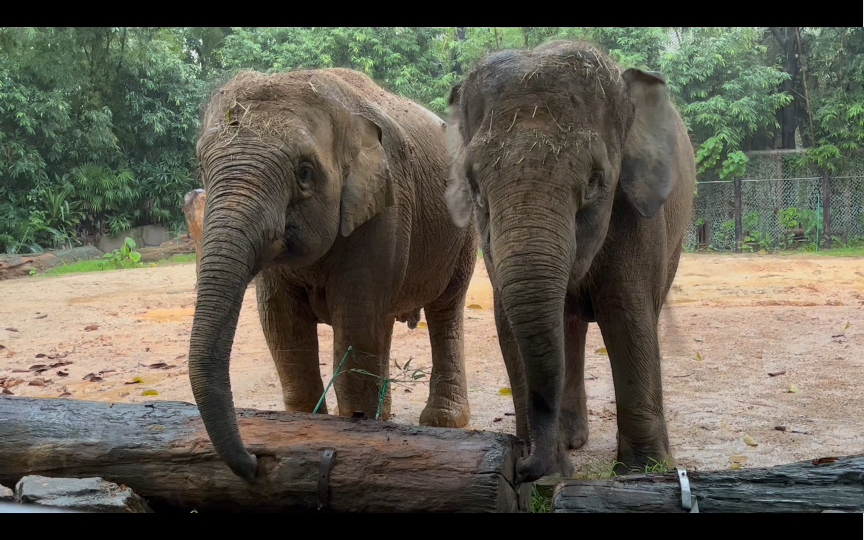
(730, 321)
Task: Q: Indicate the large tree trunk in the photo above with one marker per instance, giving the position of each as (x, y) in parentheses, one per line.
(786, 36)
(797, 487)
(162, 452)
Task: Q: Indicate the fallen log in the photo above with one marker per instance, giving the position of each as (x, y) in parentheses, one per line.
(821, 485)
(162, 452)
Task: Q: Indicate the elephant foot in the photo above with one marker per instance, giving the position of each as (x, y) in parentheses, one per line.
(544, 462)
(450, 416)
(642, 459)
(573, 429)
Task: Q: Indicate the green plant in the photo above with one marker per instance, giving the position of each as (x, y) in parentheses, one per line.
(121, 258)
(540, 504)
(32, 271)
(725, 236)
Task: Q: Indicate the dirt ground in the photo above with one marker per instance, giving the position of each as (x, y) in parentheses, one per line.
(729, 323)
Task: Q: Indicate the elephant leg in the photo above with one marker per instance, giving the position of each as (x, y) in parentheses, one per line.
(628, 323)
(359, 383)
(515, 368)
(573, 420)
(291, 332)
(448, 387)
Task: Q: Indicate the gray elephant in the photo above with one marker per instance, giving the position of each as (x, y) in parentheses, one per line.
(330, 192)
(581, 179)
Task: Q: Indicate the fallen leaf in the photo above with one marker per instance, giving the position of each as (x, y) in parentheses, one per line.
(475, 306)
(497, 419)
(698, 356)
(738, 458)
(822, 460)
(149, 393)
(63, 373)
(847, 326)
(12, 383)
(8, 392)
(147, 349)
(2, 347)
(777, 373)
(136, 380)
(505, 392)
(179, 357)
(65, 394)
(38, 382)
(112, 313)
(158, 366)
(735, 466)
(92, 377)
(601, 350)
(40, 317)
(91, 327)
(780, 428)
(407, 390)
(792, 389)
(40, 355)
(509, 414)
(106, 371)
(422, 324)
(11, 329)
(748, 440)
(37, 367)
(20, 371)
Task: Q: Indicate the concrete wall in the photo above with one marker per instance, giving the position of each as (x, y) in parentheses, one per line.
(147, 236)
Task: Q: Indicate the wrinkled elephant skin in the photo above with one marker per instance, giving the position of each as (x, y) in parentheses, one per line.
(330, 193)
(580, 177)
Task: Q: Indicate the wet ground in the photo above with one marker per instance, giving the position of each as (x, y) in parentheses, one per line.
(730, 323)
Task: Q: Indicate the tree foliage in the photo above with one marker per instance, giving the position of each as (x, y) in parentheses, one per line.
(98, 125)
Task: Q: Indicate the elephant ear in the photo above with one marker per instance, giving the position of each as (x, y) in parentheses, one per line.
(459, 200)
(646, 170)
(367, 189)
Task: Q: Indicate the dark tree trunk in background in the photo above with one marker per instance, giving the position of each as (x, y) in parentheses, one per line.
(787, 38)
(460, 36)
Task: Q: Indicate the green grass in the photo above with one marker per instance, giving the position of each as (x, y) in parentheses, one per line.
(540, 504)
(98, 265)
(180, 258)
(846, 251)
(103, 265)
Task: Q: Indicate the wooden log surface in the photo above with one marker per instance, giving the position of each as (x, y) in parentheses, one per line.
(796, 487)
(161, 450)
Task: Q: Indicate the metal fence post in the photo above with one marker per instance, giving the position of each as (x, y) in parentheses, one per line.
(826, 207)
(738, 226)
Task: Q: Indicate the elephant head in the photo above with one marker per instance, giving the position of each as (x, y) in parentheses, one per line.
(543, 143)
(291, 162)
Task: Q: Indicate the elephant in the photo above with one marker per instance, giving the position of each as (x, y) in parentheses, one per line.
(193, 209)
(328, 191)
(580, 178)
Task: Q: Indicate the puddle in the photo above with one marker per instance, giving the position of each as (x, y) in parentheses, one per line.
(168, 315)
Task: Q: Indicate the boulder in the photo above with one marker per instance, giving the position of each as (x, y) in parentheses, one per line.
(83, 494)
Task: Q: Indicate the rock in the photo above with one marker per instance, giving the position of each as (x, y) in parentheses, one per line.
(84, 494)
(6, 494)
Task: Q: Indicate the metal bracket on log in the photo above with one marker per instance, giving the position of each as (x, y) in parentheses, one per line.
(688, 500)
(324, 478)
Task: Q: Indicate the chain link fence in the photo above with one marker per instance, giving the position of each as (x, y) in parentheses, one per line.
(782, 206)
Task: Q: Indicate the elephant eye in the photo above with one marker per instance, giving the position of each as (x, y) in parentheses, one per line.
(595, 179)
(304, 176)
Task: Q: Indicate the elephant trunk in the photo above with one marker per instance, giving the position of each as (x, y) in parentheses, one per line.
(532, 236)
(231, 244)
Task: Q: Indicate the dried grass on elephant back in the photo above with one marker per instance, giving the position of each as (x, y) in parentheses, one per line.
(573, 113)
